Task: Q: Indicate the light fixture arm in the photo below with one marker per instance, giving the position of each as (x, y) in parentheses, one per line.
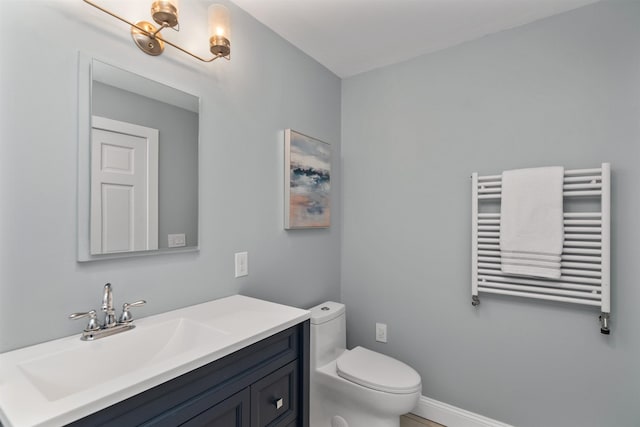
(194, 55)
(162, 27)
(155, 34)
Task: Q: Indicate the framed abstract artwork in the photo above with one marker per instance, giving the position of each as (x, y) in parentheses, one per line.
(307, 181)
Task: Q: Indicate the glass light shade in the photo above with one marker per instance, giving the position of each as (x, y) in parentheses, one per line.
(219, 22)
(219, 31)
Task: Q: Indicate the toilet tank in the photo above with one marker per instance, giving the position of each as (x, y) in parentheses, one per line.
(328, 332)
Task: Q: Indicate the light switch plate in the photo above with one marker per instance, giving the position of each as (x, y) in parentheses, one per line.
(242, 264)
(176, 240)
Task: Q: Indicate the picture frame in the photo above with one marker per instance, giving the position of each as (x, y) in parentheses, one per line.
(307, 182)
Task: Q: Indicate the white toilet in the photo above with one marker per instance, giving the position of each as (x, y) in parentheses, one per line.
(358, 387)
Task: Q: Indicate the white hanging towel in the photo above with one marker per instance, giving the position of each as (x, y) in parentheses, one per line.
(532, 221)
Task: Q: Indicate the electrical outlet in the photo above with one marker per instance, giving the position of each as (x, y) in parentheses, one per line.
(381, 332)
(242, 264)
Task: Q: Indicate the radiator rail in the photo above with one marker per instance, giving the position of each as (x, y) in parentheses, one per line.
(585, 260)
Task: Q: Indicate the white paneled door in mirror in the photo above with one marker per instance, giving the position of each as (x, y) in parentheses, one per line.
(124, 187)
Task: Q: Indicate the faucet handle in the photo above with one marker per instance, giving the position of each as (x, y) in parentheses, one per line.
(126, 316)
(93, 320)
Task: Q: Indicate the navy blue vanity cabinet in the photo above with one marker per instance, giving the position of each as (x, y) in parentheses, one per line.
(263, 385)
(231, 412)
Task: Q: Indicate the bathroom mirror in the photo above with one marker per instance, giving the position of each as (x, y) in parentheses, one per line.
(138, 165)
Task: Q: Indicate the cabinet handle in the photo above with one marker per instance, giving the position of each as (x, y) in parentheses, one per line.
(279, 403)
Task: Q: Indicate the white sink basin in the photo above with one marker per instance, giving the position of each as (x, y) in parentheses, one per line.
(64, 373)
(60, 381)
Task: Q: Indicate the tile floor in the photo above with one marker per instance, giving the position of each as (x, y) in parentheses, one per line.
(411, 420)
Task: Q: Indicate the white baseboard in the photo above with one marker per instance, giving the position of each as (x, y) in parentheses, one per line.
(452, 416)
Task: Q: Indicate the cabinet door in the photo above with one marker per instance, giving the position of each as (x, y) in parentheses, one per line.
(274, 399)
(232, 412)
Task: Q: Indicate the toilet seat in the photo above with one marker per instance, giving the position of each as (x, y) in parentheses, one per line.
(377, 371)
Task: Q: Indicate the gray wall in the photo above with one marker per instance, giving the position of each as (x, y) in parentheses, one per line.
(561, 91)
(178, 154)
(246, 103)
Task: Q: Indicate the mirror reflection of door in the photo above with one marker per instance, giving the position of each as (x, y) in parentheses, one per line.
(113, 230)
(124, 187)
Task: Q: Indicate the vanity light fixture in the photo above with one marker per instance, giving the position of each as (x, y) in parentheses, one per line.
(165, 13)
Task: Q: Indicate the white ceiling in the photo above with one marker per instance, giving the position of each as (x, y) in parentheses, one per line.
(353, 36)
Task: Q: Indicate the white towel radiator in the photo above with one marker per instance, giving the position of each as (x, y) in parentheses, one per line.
(585, 265)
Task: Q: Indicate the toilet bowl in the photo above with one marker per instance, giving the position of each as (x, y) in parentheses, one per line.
(357, 387)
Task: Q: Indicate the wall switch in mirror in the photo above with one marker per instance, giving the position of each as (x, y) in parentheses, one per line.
(176, 240)
(242, 264)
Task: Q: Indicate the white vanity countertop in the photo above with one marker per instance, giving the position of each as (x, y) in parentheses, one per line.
(32, 394)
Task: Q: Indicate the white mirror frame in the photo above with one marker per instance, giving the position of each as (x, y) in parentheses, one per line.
(83, 181)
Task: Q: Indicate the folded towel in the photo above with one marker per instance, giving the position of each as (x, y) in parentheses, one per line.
(532, 222)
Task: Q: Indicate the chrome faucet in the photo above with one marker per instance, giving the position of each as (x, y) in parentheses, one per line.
(94, 330)
(107, 307)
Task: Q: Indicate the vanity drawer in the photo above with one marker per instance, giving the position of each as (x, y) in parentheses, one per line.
(274, 398)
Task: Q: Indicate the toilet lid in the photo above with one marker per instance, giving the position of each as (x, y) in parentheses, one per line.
(377, 371)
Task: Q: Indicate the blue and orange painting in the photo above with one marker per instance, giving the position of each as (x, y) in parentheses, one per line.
(309, 182)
